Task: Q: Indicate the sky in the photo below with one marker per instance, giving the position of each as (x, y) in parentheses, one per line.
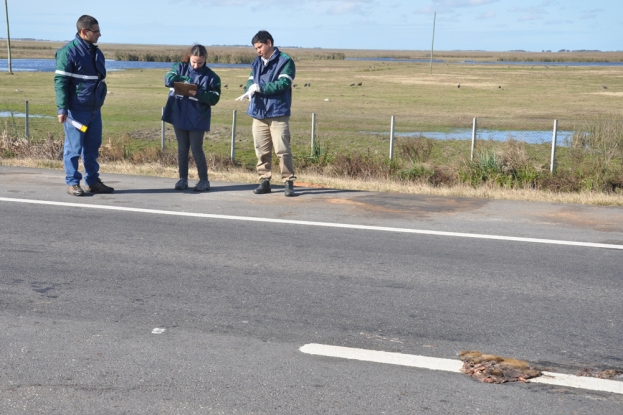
(492, 25)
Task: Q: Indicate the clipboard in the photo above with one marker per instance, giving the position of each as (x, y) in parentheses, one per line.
(183, 89)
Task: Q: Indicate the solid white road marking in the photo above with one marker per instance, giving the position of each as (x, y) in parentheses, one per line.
(320, 224)
(423, 362)
(451, 365)
(580, 382)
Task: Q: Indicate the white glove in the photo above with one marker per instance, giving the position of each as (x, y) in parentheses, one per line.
(252, 90)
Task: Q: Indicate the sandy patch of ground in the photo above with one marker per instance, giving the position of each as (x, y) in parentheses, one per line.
(445, 82)
(576, 216)
(609, 94)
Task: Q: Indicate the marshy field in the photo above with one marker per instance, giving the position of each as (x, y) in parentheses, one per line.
(353, 102)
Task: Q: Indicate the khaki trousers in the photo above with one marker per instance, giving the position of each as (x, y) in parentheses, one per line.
(270, 133)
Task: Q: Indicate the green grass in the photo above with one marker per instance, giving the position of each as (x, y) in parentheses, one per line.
(353, 122)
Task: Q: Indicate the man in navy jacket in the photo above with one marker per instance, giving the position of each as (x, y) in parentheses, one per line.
(80, 93)
(269, 90)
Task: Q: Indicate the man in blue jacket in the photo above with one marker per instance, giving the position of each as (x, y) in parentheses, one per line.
(269, 90)
(80, 93)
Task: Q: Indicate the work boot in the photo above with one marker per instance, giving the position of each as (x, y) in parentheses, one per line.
(75, 190)
(182, 184)
(264, 187)
(289, 190)
(99, 187)
(202, 186)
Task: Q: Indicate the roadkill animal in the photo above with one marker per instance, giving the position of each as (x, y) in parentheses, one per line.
(489, 368)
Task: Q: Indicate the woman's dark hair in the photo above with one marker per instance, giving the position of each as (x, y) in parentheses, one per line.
(262, 37)
(195, 50)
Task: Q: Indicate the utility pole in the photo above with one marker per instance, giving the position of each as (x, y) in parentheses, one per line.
(8, 35)
(432, 47)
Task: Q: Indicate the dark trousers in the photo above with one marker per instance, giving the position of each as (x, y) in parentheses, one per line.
(192, 140)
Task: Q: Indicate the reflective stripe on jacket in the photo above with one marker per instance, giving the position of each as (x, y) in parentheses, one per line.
(79, 77)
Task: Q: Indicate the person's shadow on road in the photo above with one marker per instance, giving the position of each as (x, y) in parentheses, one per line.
(214, 189)
(298, 191)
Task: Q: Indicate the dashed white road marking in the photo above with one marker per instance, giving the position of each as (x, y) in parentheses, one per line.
(319, 224)
(451, 365)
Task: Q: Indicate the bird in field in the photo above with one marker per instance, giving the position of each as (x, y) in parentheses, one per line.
(500, 86)
(360, 83)
(294, 85)
(604, 87)
(225, 86)
(309, 84)
(240, 85)
(458, 86)
(352, 84)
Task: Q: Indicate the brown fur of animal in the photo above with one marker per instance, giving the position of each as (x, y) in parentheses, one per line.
(496, 369)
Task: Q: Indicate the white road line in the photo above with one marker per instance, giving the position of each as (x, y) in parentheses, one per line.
(423, 362)
(580, 382)
(450, 365)
(320, 224)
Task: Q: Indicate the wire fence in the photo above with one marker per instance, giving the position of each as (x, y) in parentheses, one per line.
(362, 131)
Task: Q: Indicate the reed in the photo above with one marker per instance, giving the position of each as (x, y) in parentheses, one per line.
(24, 49)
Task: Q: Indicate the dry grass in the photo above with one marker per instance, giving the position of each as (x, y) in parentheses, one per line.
(45, 50)
(239, 175)
(24, 49)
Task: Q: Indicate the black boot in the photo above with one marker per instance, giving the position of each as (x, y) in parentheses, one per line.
(289, 190)
(264, 187)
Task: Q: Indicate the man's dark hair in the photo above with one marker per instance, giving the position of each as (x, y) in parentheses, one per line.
(262, 36)
(86, 22)
(195, 50)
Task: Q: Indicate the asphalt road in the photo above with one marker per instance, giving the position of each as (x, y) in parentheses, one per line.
(82, 290)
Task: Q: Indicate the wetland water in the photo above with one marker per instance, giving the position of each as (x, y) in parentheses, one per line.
(49, 65)
(563, 138)
(7, 114)
(472, 62)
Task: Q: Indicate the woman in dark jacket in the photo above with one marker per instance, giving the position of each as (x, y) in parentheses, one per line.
(190, 111)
